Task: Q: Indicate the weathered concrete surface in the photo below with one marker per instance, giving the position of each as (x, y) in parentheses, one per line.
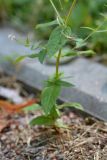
(90, 79)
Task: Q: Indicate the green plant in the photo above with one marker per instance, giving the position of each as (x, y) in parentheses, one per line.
(23, 15)
(60, 36)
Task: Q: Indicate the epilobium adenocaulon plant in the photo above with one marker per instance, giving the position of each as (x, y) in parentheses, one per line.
(59, 37)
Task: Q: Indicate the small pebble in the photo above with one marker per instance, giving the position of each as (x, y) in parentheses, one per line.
(13, 126)
(21, 128)
(3, 138)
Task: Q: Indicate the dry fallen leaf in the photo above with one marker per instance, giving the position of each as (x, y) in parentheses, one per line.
(12, 108)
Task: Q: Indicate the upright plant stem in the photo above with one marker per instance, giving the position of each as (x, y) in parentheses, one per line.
(57, 63)
(55, 9)
(70, 11)
(66, 21)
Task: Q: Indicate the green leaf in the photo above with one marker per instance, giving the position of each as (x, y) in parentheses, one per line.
(58, 82)
(89, 28)
(74, 105)
(54, 113)
(42, 55)
(67, 31)
(79, 53)
(80, 43)
(101, 31)
(35, 45)
(47, 24)
(57, 40)
(32, 108)
(20, 58)
(71, 54)
(87, 53)
(27, 42)
(65, 84)
(42, 120)
(49, 97)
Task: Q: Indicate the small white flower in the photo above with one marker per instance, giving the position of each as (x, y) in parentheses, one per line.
(12, 37)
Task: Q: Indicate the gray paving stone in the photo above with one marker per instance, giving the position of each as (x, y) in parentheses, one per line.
(90, 79)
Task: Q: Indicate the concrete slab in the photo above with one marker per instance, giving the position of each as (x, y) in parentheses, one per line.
(90, 79)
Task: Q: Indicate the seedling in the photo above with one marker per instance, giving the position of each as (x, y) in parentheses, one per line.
(60, 36)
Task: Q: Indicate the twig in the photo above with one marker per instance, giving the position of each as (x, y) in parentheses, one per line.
(83, 134)
(96, 156)
(90, 139)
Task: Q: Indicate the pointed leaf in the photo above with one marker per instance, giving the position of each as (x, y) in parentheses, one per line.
(20, 58)
(87, 52)
(35, 45)
(65, 84)
(55, 113)
(58, 82)
(71, 54)
(67, 32)
(57, 40)
(47, 24)
(27, 42)
(79, 53)
(32, 108)
(42, 120)
(49, 97)
(80, 43)
(42, 55)
(89, 28)
(74, 105)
